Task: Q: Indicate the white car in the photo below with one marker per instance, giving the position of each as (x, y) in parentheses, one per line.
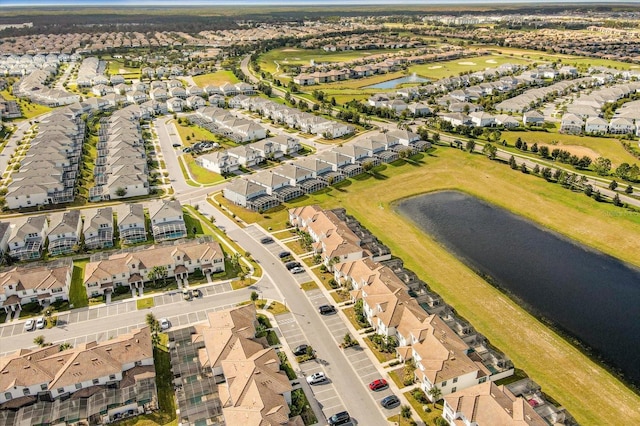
(316, 378)
(29, 325)
(40, 323)
(164, 323)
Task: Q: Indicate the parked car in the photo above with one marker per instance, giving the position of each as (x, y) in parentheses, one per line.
(297, 270)
(176, 145)
(291, 265)
(284, 254)
(40, 323)
(187, 294)
(29, 325)
(390, 401)
(197, 293)
(164, 323)
(326, 309)
(266, 240)
(316, 378)
(300, 350)
(339, 418)
(378, 384)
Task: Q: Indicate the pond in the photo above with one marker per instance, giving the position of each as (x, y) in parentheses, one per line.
(587, 294)
(390, 84)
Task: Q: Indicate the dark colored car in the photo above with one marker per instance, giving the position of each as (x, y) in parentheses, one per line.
(291, 265)
(327, 309)
(284, 254)
(378, 384)
(300, 350)
(339, 418)
(390, 401)
(266, 240)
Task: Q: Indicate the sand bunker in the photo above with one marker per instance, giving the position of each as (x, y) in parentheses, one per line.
(491, 61)
(435, 67)
(466, 63)
(290, 50)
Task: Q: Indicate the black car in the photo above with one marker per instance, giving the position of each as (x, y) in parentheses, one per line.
(284, 254)
(300, 350)
(176, 145)
(326, 309)
(339, 418)
(266, 240)
(390, 401)
(291, 265)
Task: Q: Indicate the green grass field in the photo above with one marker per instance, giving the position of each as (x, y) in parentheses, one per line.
(586, 389)
(116, 66)
(77, 292)
(592, 146)
(438, 70)
(200, 174)
(217, 78)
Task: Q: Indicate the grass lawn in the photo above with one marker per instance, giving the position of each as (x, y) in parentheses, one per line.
(77, 292)
(200, 174)
(380, 356)
(146, 303)
(196, 133)
(30, 110)
(116, 66)
(427, 417)
(276, 308)
(310, 285)
(438, 70)
(350, 313)
(587, 390)
(592, 146)
(397, 375)
(272, 338)
(217, 78)
(340, 295)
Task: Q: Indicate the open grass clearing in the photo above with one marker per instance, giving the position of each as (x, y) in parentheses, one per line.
(586, 389)
(217, 78)
(428, 417)
(199, 174)
(438, 70)
(77, 291)
(610, 148)
(309, 285)
(382, 357)
(146, 303)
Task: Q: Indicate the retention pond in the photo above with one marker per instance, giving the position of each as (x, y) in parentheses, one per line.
(587, 294)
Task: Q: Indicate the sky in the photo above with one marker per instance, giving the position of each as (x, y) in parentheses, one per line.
(178, 3)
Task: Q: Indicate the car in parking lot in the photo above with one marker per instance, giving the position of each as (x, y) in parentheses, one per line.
(197, 293)
(300, 350)
(316, 378)
(266, 240)
(327, 309)
(297, 270)
(187, 294)
(378, 384)
(30, 325)
(176, 145)
(164, 323)
(339, 418)
(40, 322)
(291, 265)
(284, 254)
(390, 401)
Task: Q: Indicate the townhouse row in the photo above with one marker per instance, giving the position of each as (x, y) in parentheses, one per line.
(48, 172)
(121, 168)
(235, 374)
(93, 383)
(222, 122)
(269, 188)
(34, 86)
(293, 117)
(25, 238)
(21, 65)
(91, 72)
(573, 124)
(446, 351)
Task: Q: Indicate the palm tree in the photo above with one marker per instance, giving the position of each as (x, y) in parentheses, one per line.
(154, 325)
(405, 411)
(435, 393)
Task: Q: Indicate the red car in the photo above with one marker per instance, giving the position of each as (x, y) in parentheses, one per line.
(378, 384)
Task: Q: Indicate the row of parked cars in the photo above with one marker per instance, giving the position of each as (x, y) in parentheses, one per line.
(33, 324)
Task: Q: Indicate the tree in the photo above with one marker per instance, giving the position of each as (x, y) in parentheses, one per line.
(544, 151)
(154, 326)
(64, 346)
(534, 148)
(405, 412)
(470, 145)
(523, 167)
(546, 173)
(613, 185)
(622, 171)
(254, 296)
(512, 162)
(518, 143)
(588, 190)
(367, 166)
(602, 166)
(121, 192)
(158, 271)
(39, 340)
(490, 151)
(616, 200)
(435, 393)
(629, 189)
(536, 169)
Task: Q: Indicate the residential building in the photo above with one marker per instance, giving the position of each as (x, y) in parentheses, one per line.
(27, 237)
(98, 228)
(134, 268)
(132, 224)
(44, 285)
(167, 221)
(64, 232)
(596, 125)
(533, 118)
(92, 383)
(571, 123)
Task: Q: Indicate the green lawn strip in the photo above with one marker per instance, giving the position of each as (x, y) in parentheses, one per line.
(428, 417)
(199, 173)
(340, 295)
(351, 315)
(77, 291)
(217, 78)
(309, 285)
(146, 303)
(382, 357)
(397, 377)
(300, 406)
(272, 338)
(183, 169)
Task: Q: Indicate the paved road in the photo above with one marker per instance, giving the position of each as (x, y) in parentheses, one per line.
(12, 144)
(167, 137)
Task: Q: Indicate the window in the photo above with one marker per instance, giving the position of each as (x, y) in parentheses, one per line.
(43, 387)
(444, 383)
(26, 391)
(112, 377)
(96, 381)
(60, 390)
(8, 396)
(453, 389)
(78, 385)
(482, 380)
(455, 380)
